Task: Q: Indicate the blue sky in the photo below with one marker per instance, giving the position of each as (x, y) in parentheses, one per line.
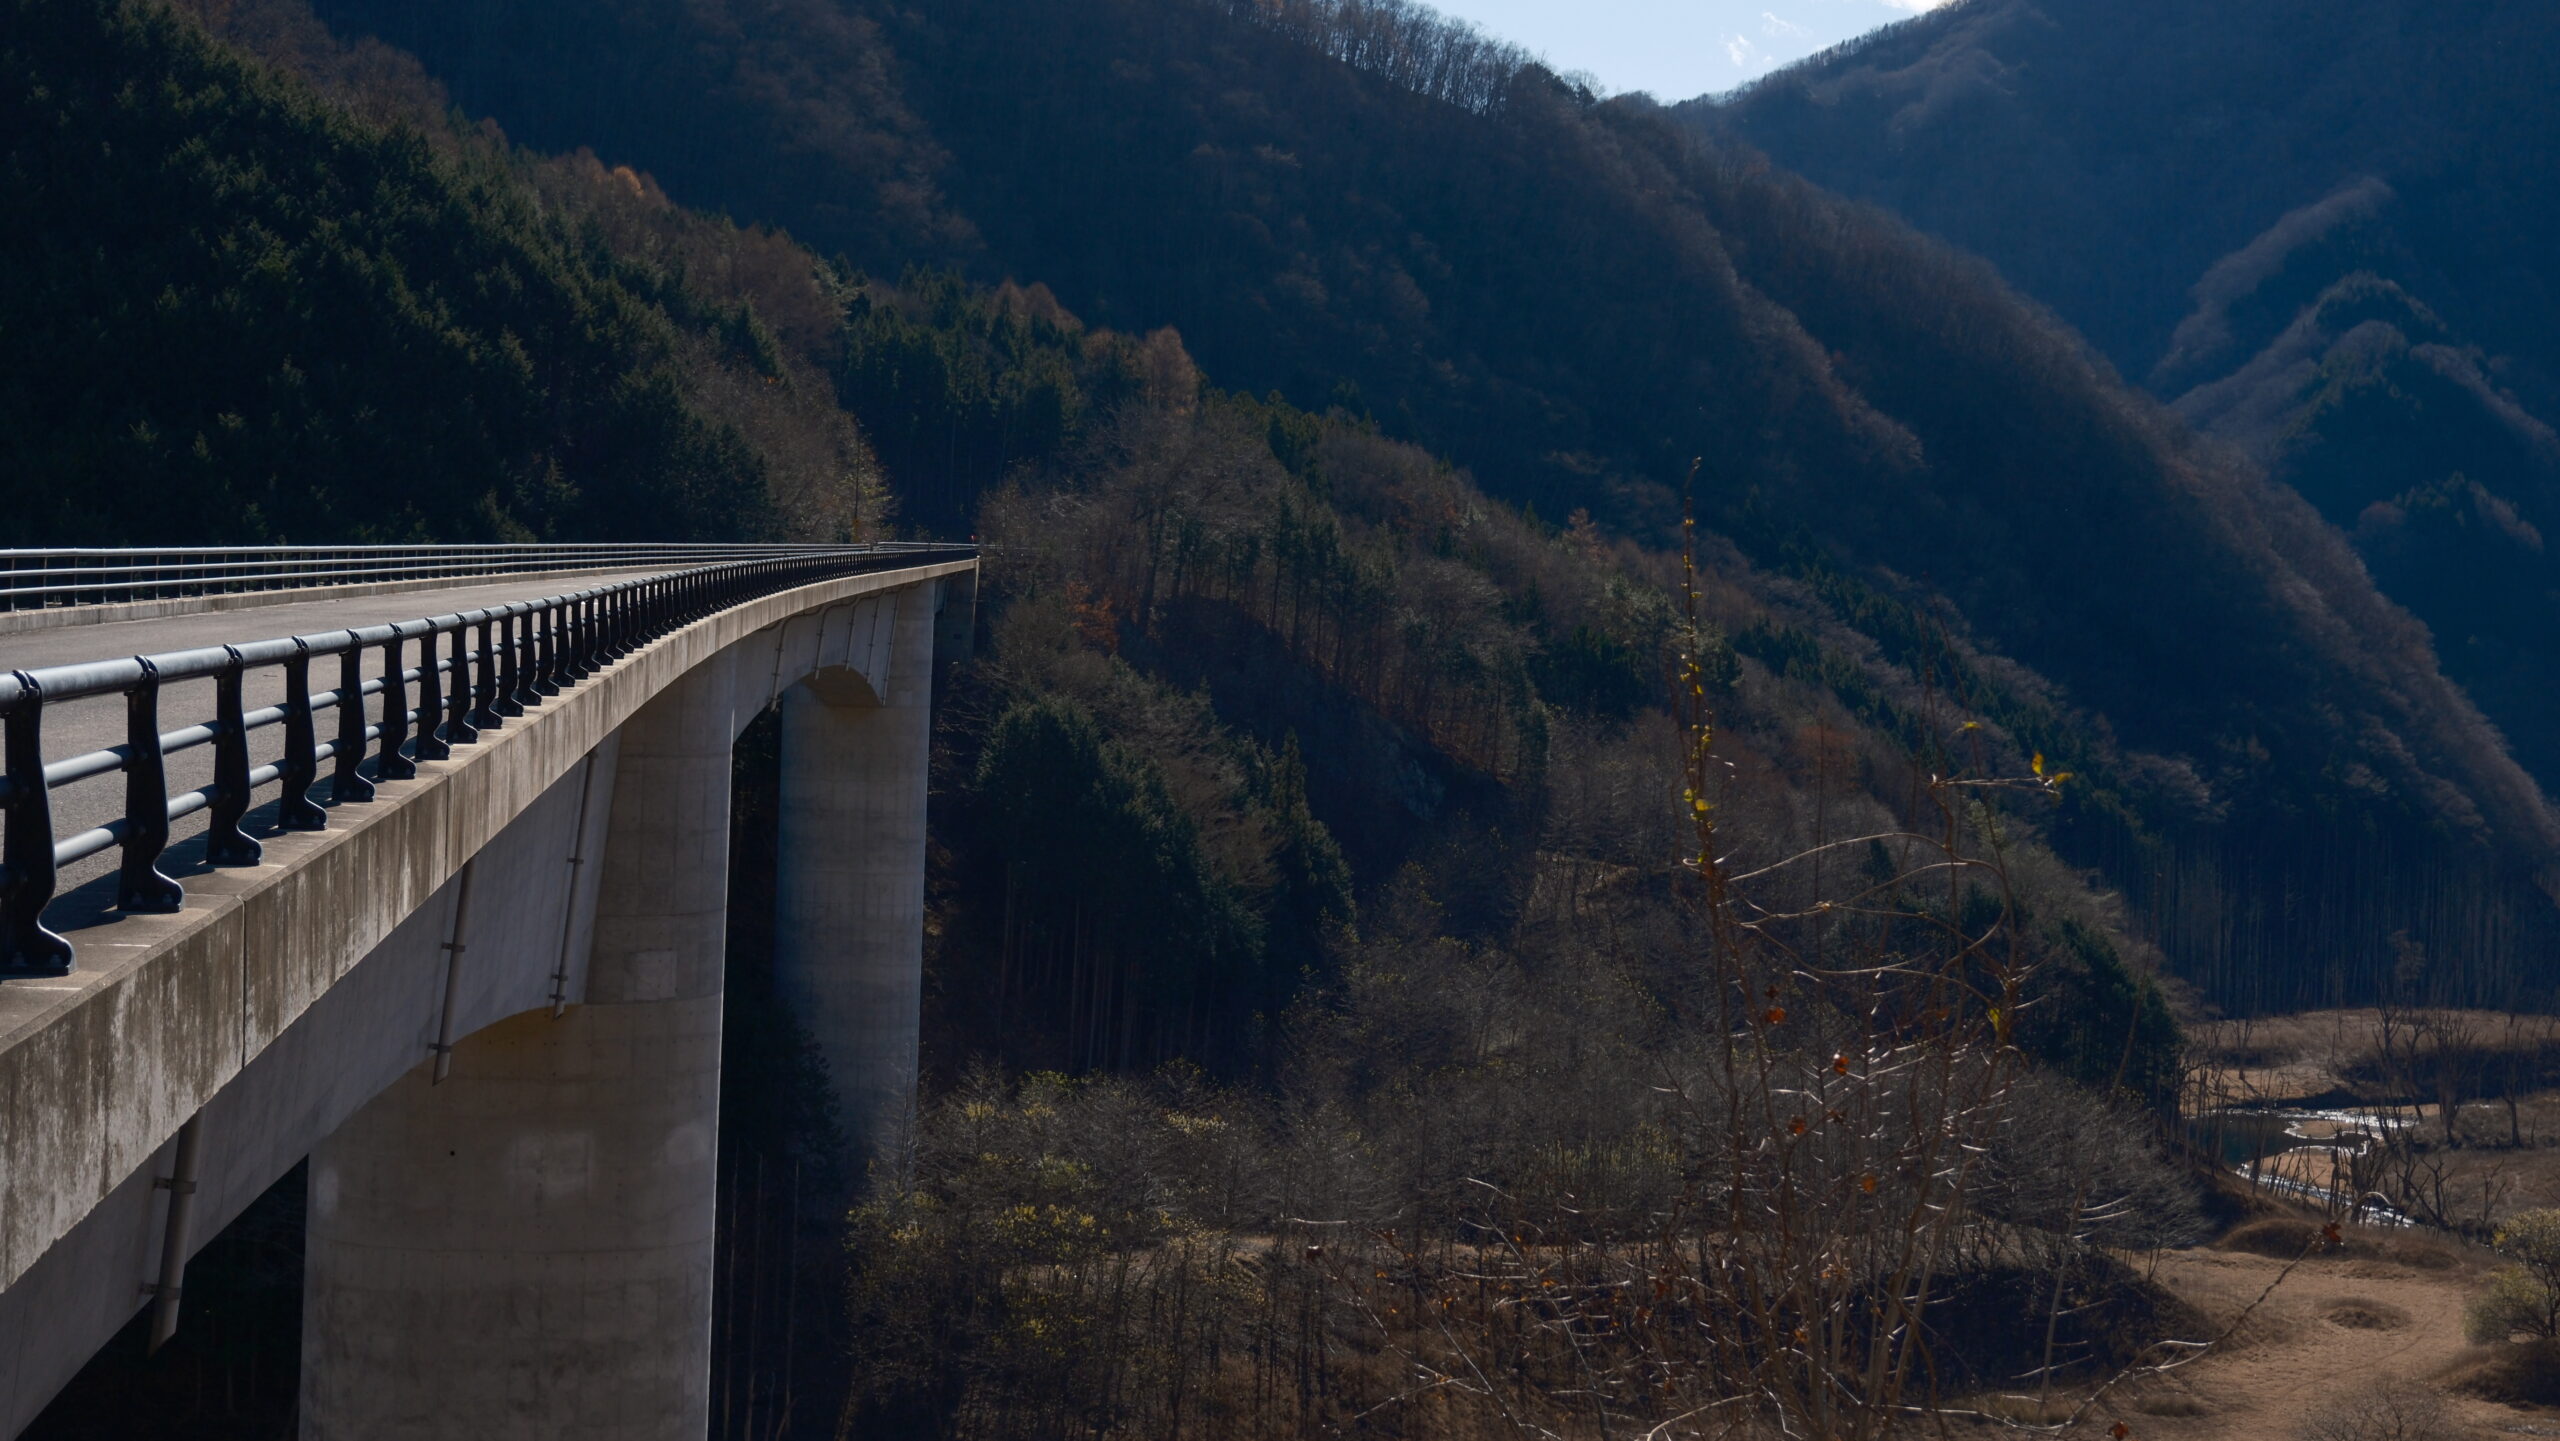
(1678, 48)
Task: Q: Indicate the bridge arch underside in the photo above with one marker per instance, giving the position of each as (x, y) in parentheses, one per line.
(568, 964)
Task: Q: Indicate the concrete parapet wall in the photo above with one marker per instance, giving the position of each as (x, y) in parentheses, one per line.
(363, 1034)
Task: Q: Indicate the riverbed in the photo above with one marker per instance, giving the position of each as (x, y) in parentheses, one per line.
(2311, 1155)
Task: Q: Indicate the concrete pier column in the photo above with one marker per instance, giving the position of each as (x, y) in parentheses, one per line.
(849, 901)
(525, 1250)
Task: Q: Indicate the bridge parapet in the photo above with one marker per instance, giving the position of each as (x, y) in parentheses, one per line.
(494, 664)
(248, 1003)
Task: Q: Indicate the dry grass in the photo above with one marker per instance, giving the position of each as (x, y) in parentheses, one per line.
(2382, 1311)
(2512, 1375)
(2325, 1056)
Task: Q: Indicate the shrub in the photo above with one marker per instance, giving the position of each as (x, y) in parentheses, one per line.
(2390, 1410)
(2514, 1302)
(2525, 1296)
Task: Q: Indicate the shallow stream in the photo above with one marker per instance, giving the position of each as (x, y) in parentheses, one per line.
(2302, 1153)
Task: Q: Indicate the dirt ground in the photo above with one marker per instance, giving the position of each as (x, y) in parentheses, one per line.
(2334, 1326)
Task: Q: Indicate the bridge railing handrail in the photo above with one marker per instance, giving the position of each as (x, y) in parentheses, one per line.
(499, 661)
(38, 579)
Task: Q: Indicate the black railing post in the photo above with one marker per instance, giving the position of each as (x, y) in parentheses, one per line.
(548, 659)
(625, 621)
(140, 884)
(484, 691)
(510, 675)
(388, 763)
(573, 641)
(430, 699)
(458, 728)
(346, 783)
(295, 810)
(520, 660)
(26, 845)
(225, 844)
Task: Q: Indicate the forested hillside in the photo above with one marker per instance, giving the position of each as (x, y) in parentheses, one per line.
(1357, 205)
(2316, 229)
(248, 315)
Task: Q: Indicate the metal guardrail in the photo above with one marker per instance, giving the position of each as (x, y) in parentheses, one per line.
(495, 664)
(43, 579)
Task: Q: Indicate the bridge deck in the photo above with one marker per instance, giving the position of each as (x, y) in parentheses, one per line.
(76, 727)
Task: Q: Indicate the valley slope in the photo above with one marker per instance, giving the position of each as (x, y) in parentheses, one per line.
(2318, 230)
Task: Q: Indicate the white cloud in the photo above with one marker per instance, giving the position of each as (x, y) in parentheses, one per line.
(1916, 7)
(1771, 25)
(1739, 49)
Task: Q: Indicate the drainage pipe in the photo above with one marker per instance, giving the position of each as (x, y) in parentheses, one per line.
(181, 1186)
(453, 949)
(569, 902)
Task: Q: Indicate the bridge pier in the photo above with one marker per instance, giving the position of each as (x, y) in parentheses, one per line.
(525, 1250)
(849, 912)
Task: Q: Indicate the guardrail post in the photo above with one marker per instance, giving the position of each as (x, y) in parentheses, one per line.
(346, 783)
(484, 693)
(295, 810)
(547, 657)
(26, 845)
(503, 631)
(566, 670)
(457, 727)
(140, 884)
(520, 692)
(573, 641)
(388, 763)
(430, 699)
(225, 844)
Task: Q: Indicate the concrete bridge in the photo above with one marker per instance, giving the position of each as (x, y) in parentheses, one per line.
(452, 927)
